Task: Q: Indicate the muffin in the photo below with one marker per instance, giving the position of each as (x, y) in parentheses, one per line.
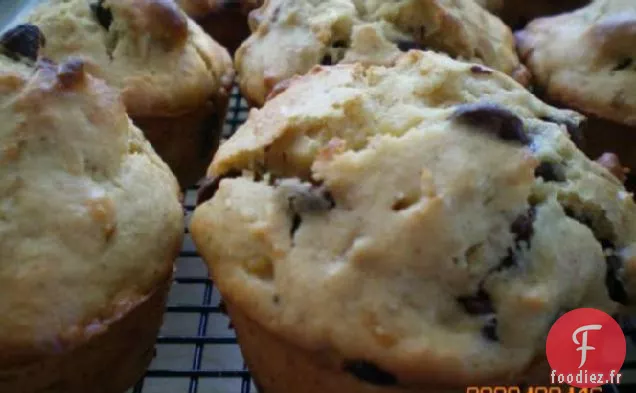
(174, 79)
(517, 13)
(225, 20)
(586, 60)
(291, 36)
(412, 228)
(90, 224)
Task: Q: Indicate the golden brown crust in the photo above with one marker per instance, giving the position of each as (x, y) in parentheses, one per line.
(290, 37)
(585, 59)
(163, 62)
(79, 224)
(351, 224)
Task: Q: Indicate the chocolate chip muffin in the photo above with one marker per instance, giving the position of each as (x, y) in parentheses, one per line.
(224, 20)
(90, 224)
(290, 37)
(517, 13)
(413, 228)
(586, 60)
(174, 79)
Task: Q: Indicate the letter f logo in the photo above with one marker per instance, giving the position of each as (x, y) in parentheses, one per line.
(583, 345)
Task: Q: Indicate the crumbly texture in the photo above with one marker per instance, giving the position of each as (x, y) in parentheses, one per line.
(290, 37)
(517, 13)
(224, 20)
(586, 59)
(420, 218)
(90, 218)
(163, 62)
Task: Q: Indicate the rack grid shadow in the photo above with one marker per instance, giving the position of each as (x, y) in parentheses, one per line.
(197, 351)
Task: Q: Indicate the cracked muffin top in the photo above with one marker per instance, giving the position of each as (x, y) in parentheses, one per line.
(161, 60)
(90, 219)
(586, 59)
(290, 37)
(432, 218)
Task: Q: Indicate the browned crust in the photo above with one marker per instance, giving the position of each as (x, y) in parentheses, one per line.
(278, 366)
(109, 362)
(187, 143)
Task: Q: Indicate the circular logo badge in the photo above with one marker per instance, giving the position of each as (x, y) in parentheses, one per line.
(586, 349)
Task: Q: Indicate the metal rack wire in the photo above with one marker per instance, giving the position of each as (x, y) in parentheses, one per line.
(195, 321)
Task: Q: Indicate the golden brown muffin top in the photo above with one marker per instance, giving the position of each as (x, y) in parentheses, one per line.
(431, 218)
(162, 61)
(90, 219)
(291, 36)
(586, 59)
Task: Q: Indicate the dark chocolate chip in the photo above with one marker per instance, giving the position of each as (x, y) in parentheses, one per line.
(478, 304)
(340, 44)
(523, 226)
(550, 172)
(405, 45)
(370, 373)
(22, 41)
(326, 60)
(211, 185)
(614, 285)
(308, 199)
(276, 299)
(296, 221)
(575, 130)
(104, 16)
(493, 119)
(624, 64)
(509, 261)
(489, 330)
(477, 69)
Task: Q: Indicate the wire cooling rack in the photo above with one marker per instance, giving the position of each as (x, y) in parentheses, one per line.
(197, 351)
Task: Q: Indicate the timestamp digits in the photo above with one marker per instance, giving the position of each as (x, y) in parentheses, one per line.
(530, 389)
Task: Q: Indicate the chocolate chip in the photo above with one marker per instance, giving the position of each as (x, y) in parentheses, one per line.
(307, 198)
(550, 172)
(210, 186)
(624, 64)
(370, 373)
(477, 69)
(523, 226)
(296, 221)
(104, 16)
(489, 330)
(493, 119)
(405, 45)
(478, 304)
(22, 41)
(326, 60)
(575, 130)
(340, 44)
(614, 284)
